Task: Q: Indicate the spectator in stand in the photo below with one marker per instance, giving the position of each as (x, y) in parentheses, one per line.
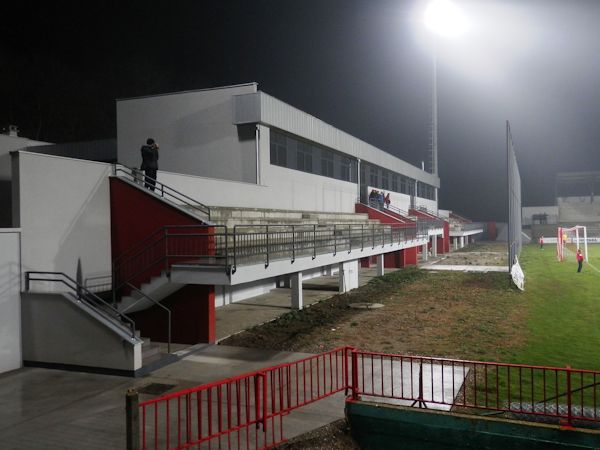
(381, 200)
(150, 162)
(387, 201)
(372, 197)
(579, 260)
(541, 242)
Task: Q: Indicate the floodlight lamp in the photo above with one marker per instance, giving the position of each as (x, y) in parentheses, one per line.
(445, 18)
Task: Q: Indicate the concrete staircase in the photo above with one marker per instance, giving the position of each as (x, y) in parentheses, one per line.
(255, 216)
(157, 288)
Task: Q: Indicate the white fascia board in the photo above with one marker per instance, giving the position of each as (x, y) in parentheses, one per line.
(435, 232)
(255, 272)
(465, 233)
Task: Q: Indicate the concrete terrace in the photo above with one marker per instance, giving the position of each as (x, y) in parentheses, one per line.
(46, 408)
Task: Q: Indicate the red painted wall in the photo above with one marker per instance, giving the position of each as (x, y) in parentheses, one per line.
(383, 217)
(491, 231)
(446, 237)
(393, 259)
(135, 215)
(418, 213)
(410, 256)
(192, 316)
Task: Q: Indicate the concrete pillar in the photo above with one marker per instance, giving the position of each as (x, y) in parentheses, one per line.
(380, 265)
(455, 243)
(296, 282)
(425, 252)
(434, 242)
(348, 276)
(462, 242)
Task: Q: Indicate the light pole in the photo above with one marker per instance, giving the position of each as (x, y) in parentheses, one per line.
(442, 18)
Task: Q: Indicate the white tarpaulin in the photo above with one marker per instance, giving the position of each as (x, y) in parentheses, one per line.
(517, 275)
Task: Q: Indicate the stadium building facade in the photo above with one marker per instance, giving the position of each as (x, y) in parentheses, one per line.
(251, 194)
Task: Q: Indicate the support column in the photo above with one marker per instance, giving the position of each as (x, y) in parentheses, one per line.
(434, 241)
(462, 242)
(455, 243)
(348, 276)
(296, 284)
(425, 251)
(380, 265)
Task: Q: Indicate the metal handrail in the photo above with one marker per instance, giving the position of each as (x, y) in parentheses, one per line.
(165, 190)
(144, 295)
(75, 286)
(217, 246)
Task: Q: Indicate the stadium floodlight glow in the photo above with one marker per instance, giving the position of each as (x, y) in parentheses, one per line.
(445, 18)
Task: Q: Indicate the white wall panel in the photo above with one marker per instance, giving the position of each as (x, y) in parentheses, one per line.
(10, 300)
(195, 132)
(64, 214)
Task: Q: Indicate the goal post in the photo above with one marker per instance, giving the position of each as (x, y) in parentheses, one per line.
(575, 235)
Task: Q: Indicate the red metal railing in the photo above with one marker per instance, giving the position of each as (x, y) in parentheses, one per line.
(243, 412)
(246, 412)
(530, 392)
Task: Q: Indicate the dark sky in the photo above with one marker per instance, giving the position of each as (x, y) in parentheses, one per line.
(363, 66)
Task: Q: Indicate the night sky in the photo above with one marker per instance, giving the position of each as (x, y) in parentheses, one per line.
(363, 66)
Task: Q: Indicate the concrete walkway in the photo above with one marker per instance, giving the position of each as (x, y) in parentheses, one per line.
(53, 409)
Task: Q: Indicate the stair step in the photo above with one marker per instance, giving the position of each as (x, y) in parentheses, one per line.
(150, 350)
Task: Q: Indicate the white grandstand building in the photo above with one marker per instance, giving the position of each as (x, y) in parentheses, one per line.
(251, 194)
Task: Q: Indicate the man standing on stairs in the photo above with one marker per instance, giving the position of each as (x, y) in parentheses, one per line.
(150, 162)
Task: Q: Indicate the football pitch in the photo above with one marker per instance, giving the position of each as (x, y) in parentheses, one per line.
(563, 308)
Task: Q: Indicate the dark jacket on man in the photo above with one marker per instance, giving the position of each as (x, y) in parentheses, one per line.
(149, 157)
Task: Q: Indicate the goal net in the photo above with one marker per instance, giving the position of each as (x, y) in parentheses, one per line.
(569, 240)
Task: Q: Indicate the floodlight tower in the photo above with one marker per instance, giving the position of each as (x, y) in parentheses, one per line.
(443, 18)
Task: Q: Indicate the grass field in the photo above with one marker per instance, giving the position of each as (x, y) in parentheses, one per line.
(563, 325)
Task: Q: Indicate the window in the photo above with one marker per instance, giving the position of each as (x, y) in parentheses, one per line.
(373, 177)
(385, 179)
(304, 157)
(404, 185)
(345, 166)
(326, 163)
(395, 182)
(278, 149)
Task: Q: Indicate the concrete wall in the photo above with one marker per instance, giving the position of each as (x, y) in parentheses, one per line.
(380, 426)
(10, 299)
(195, 132)
(64, 214)
(527, 213)
(55, 331)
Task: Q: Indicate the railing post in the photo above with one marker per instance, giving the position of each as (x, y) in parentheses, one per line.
(267, 234)
(362, 237)
(293, 244)
(132, 417)
(569, 399)
(373, 242)
(349, 239)
(334, 241)
(354, 355)
(27, 282)
(314, 241)
(234, 249)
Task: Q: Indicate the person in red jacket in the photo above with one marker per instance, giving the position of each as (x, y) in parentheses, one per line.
(579, 260)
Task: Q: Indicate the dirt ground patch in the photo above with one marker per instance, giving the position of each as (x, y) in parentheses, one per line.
(446, 314)
(479, 254)
(459, 315)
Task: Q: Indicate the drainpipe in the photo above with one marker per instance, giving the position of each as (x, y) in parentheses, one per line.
(358, 178)
(257, 142)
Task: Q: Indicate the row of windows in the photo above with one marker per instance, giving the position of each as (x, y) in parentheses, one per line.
(293, 153)
(387, 180)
